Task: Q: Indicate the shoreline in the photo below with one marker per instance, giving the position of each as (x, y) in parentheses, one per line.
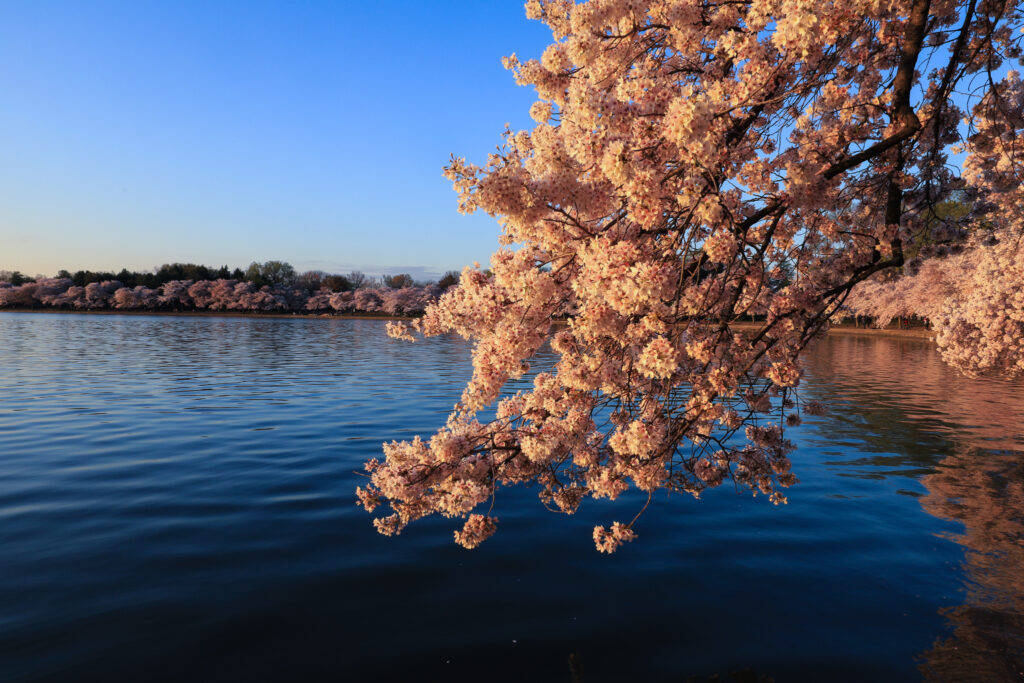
(212, 314)
(912, 333)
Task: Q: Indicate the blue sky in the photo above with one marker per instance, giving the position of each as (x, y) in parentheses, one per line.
(138, 133)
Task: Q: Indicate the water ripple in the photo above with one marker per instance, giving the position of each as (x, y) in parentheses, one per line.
(177, 503)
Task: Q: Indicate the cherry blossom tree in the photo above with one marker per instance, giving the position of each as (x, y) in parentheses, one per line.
(686, 152)
(343, 302)
(368, 300)
(923, 294)
(49, 287)
(400, 281)
(73, 297)
(320, 300)
(407, 300)
(174, 294)
(134, 298)
(215, 295)
(12, 295)
(98, 294)
(200, 294)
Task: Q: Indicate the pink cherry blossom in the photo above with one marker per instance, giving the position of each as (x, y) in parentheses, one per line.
(694, 165)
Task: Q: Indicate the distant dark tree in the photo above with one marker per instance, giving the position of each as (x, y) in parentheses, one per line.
(397, 281)
(279, 273)
(254, 275)
(270, 273)
(170, 271)
(197, 272)
(83, 277)
(311, 280)
(357, 279)
(183, 271)
(153, 279)
(337, 283)
(127, 278)
(449, 279)
(15, 277)
(147, 279)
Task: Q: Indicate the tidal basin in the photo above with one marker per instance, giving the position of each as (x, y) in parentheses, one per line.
(177, 503)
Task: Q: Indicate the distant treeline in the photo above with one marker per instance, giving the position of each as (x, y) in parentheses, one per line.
(260, 274)
(273, 286)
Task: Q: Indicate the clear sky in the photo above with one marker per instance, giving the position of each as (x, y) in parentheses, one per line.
(224, 132)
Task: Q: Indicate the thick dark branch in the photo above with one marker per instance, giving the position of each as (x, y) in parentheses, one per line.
(902, 84)
(954, 58)
(902, 111)
(917, 23)
(911, 125)
(893, 203)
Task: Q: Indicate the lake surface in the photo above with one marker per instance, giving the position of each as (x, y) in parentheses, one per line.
(176, 503)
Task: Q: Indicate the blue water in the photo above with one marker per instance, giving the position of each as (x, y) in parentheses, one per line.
(176, 503)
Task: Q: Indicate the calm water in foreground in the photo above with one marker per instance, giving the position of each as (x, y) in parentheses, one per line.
(176, 503)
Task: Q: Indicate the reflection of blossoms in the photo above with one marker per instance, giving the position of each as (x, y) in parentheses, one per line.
(961, 440)
(983, 491)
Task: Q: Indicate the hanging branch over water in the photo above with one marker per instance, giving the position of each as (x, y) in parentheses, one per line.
(695, 162)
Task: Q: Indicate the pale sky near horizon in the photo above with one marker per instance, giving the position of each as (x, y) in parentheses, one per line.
(134, 134)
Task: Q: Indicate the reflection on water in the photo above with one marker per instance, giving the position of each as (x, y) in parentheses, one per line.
(177, 503)
(897, 396)
(911, 409)
(984, 491)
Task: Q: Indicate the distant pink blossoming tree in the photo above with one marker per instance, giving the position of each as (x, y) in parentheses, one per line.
(214, 295)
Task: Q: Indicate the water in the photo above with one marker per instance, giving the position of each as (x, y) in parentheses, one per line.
(177, 504)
